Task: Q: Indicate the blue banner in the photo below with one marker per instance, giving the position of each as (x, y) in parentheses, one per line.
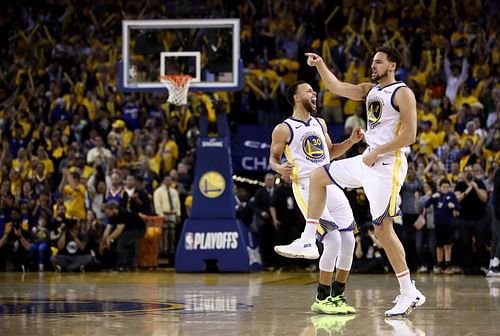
(250, 146)
(226, 241)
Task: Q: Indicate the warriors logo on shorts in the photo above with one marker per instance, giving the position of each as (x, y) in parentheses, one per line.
(313, 147)
(374, 111)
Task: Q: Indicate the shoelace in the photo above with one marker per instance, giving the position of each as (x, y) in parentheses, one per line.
(339, 300)
(329, 301)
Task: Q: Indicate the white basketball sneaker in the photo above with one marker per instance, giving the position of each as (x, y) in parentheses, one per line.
(405, 303)
(299, 248)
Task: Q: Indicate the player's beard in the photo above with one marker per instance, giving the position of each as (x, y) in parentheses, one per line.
(309, 106)
(379, 76)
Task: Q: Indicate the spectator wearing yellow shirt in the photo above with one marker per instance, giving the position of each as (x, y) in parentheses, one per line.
(286, 68)
(43, 157)
(169, 152)
(446, 131)
(420, 74)
(465, 97)
(21, 163)
(73, 194)
(428, 115)
(427, 140)
(470, 133)
(119, 136)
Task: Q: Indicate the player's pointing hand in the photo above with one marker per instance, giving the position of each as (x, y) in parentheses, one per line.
(313, 59)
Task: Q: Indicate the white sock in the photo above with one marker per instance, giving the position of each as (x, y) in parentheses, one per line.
(495, 262)
(405, 281)
(310, 229)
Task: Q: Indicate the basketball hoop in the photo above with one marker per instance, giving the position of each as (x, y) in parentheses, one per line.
(178, 87)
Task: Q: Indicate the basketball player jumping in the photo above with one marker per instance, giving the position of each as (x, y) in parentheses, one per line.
(381, 169)
(305, 142)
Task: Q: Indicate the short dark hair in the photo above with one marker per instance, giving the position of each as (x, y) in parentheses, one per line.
(291, 90)
(444, 181)
(393, 54)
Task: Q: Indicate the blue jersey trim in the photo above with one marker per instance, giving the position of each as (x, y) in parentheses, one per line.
(291, 132)
(392, 98)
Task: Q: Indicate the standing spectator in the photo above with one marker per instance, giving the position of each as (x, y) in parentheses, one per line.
(410, 211)
(99, 153)
(444, 203)
(74, 194)
(262, 221)
(115, 189)
(287, 219)
(426, 234)
(167, 204)
(135, 198)
(454, 77)
(472, 195)
(126, 228)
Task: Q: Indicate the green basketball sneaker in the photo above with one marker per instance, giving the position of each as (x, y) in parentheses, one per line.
(327, 306)
(329, 323)
(341, 302)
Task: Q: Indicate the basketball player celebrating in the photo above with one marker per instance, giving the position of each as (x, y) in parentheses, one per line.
(305, 142)
(381, 169)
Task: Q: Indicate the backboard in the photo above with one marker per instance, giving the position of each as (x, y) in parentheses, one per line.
(206, 49)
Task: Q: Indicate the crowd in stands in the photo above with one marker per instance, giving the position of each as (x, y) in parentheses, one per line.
(71, 142)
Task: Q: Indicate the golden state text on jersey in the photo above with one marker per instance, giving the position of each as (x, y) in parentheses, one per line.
(307, 147)
(374, 111)
(383, 114)
(313, 147)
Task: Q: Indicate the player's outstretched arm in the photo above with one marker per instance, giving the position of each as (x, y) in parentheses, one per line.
(281, 135)
(352, 91)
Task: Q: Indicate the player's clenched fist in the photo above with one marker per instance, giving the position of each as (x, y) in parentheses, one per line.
(286, 169)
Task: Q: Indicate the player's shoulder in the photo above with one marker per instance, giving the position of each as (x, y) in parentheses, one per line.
(282, 129)
(321, 121)
(366, 87)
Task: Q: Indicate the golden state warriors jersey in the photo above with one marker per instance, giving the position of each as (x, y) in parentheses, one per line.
(383, 116)
(307, 146)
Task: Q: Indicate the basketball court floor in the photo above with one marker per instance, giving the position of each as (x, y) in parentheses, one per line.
(167, 303)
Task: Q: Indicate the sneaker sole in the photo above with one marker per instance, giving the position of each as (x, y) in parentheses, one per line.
(300, 256)
(319, 311)
(420, 301)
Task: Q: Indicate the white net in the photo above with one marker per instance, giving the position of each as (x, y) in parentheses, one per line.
(178, 87)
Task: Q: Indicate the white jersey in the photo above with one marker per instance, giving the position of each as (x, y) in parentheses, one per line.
(382, 115)
(307, 146)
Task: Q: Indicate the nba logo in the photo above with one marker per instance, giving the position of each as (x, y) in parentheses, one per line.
(188, 241)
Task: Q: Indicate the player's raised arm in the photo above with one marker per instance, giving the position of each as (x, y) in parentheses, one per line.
(352, 91)
(281, 135)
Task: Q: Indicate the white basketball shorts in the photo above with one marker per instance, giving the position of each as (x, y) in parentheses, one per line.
(381, 183)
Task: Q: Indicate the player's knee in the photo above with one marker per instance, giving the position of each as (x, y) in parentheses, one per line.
(383, 229)
(348, 241)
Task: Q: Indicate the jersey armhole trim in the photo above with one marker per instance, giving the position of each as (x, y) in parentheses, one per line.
(393, 95)
(291, 132)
